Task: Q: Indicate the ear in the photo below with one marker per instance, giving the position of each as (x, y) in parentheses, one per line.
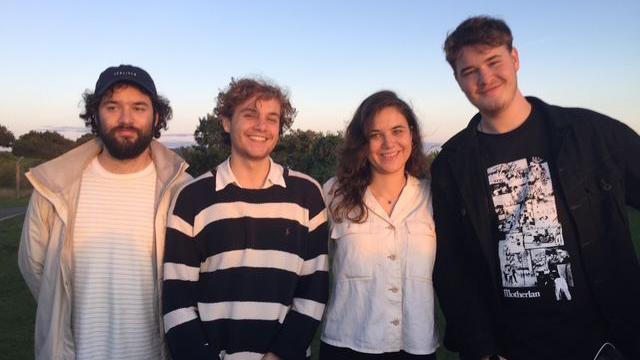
(156, 121)
(516, 58)
(226, 124)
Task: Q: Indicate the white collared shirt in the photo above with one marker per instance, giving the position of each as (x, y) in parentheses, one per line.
(225, 176)
(382, 297)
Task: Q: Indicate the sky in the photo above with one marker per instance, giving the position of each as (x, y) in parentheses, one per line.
(329, 55)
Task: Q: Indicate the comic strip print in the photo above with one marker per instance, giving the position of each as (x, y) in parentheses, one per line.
(533, 261)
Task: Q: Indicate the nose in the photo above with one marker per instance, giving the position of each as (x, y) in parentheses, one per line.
(125, 117)
(261, 123)
(386, 141)
(484, 75)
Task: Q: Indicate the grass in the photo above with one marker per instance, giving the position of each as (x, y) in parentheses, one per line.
(17, 307)
(12, 202)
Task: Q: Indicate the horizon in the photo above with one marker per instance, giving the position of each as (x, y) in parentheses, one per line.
(330, 55)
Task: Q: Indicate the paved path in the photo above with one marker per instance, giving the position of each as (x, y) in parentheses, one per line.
(9, 213)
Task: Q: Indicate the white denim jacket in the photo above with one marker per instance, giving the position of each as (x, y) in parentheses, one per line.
(382, 297)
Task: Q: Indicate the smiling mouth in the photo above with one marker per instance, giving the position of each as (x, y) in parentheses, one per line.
(489, 89)
(389, 155)
(257, 138)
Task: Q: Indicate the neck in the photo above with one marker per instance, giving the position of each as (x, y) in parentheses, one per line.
(127, 166)
(507, 119)
(388, 185)
(250, 174)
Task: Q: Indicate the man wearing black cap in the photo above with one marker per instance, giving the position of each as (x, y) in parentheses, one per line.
(93, 238)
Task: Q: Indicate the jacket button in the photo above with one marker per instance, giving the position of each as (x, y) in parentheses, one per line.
(390, 227)
(394, 289)
(396, 322)
(392, 257)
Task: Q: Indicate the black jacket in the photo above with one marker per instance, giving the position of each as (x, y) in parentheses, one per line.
(597, 160)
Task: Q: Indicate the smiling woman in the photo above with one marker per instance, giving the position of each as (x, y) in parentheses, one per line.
(383, 237)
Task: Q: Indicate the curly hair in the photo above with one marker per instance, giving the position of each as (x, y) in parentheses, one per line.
(477, 30)
(160, 105)
(243, 89)
(354, 169)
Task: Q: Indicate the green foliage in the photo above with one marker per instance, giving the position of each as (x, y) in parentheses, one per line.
(6, 137)
(42, 145)
(311, 152)
(209, 133)
(8, 170)
(17, 307)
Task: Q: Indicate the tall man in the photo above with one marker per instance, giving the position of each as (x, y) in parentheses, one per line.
(93, 236)
(535, 259)
(245, 273)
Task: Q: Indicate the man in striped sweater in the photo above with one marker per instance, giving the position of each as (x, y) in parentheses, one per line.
(245, 269)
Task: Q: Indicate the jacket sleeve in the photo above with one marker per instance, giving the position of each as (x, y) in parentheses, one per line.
(624, 144)
(185, 335)
(469, 327)
(631, 148)
(311, 293)
(34, 241)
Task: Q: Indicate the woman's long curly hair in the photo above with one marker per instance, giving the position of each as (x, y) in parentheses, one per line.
(354, 169)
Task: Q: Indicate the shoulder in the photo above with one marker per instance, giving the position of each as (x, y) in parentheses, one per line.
(299, 180)
(576, 116)
(329, 187)
(193, 187)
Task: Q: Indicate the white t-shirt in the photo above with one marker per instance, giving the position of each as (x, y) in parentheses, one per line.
(114, 316)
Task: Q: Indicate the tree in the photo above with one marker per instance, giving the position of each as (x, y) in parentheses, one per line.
(42, 145)
(210, 149)
(310, 152)
(6, 137)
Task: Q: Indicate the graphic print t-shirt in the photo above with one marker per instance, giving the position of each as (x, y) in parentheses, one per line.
(548, 308)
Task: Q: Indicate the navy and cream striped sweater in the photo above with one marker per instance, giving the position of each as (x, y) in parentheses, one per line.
(245, 271)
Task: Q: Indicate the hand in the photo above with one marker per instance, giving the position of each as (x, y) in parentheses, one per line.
(270, 356)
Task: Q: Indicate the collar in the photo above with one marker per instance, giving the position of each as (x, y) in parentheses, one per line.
(59, 173)
(225, 176)
(406, 201)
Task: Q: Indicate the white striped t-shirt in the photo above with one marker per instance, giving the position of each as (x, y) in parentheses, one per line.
(114, 313)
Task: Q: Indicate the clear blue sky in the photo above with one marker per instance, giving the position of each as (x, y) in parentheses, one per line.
(329, 54)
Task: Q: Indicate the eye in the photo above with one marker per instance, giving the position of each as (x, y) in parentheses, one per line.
(111, 107)
(375, 136)
(398, 131)
(140, 108)
(273, 119)
(466, 72)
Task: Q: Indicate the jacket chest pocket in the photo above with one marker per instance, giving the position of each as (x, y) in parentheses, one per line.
(355, 251)
(421, 249)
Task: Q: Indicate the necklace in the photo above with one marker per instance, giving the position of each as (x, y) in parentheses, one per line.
(385, 199)
(393, 199)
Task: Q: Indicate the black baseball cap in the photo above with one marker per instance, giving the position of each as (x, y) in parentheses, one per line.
(127, 74)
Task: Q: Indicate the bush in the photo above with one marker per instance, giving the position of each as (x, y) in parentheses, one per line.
(42, 145)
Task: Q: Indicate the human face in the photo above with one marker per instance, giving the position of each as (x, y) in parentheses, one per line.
(487, 76)
(254, 128)
(125, 122)
(389, 142)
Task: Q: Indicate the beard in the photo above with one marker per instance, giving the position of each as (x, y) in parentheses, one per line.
(125, 148)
